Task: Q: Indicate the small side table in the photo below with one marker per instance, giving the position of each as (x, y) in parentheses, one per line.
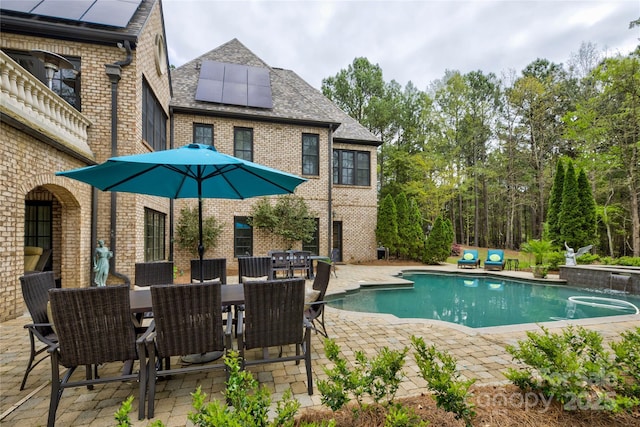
(512, 264)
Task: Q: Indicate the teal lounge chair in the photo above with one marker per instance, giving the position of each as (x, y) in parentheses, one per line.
(469, 259)
(495, 260)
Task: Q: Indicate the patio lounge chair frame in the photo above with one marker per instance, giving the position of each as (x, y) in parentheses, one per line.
(471, 263)
(494, 265)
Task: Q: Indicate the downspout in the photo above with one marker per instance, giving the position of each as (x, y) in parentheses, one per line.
(114, 72)
(171, 202)
(330, 193)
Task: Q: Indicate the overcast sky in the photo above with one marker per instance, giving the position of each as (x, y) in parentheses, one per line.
(410, 40)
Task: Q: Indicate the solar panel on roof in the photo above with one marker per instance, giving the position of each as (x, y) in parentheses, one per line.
(114, 13)
(236, 85)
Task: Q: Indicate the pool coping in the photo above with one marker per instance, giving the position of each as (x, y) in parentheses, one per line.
(398, 281)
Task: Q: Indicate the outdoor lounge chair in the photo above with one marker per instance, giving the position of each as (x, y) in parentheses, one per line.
(469, 259)
(495, 260)
(187, 320)
(35, 291)
(274, 317)
(315, 311)
(94, 327)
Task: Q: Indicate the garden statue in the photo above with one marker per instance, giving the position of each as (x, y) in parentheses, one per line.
(101, 264)
(570, 256)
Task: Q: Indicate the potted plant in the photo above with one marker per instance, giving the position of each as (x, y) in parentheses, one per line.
(540, 250)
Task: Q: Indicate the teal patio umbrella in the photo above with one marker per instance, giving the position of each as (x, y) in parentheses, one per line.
(192, 171)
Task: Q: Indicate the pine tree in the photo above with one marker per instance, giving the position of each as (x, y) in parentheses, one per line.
(387, 227)
(555, 205)
(588, 210)
(416, 234)
(404, 228)
(570, 217)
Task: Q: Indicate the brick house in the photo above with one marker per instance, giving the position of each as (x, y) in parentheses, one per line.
(109, 92)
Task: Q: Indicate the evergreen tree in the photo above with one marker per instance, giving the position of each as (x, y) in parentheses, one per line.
(404, 228)
(555, 205)
(588, 210)
(570, 217)
(416, 234)
(387, 227)
(438, 246)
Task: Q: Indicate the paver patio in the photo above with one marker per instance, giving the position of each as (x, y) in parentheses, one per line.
(480, 354)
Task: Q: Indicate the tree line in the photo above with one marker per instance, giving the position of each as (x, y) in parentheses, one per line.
(483, 151)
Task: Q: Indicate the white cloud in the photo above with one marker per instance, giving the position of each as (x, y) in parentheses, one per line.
(411, 40)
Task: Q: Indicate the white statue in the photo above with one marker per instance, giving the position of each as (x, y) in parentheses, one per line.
(570, 256)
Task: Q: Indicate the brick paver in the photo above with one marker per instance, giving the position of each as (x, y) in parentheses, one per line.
(480, 355)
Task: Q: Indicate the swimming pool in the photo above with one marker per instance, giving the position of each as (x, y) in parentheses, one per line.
(485, 301)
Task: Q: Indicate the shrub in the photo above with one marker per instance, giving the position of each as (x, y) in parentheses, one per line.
(188, 231)
(627, 358)
(572, 367)
(555, 259)
(439, 369)
(378, 378)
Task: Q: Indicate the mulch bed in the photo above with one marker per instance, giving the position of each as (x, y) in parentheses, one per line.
(495, 406)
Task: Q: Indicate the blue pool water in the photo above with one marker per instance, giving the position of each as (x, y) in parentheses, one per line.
(485, 301)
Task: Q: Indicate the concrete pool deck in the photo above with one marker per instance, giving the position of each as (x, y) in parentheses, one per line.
(480, 354)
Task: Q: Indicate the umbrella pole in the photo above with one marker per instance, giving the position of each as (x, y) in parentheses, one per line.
(200, 245)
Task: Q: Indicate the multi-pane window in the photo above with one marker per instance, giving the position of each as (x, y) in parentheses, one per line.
(203, 134)
(38, 224)
(242, 236)
(243, 143)
(314, 245)
(154, 120)
(310, 154)
(154, 235)
(351, 167)
(65, 82)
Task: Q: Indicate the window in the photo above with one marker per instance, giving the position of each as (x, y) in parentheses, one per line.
(351, 167)
(154, 235)
(154, 121)
(243, 143)
(203, 134)
(242, 237)
(310, 154)
(314, 245)
(38, 224)
(65, 82)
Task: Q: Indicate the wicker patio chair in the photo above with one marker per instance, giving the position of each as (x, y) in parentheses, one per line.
(274, 317)
(300, 261)
(315, 312)
(154, 273)
(212, 268)
(93, 327)
(35, 291)
(187, 320)
(254, 266)
(281, 262)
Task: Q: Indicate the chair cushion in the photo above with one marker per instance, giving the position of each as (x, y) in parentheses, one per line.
(249, 279)
(31, 257)
(495, 258)
(468, 256)
(214, 281)
(310, 295)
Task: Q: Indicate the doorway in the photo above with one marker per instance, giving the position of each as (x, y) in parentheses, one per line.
(337, 239)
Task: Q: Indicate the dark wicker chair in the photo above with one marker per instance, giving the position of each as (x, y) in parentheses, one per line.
(154, 273)
(187, 320)
(335, 257)
(254, 266)
(281, 262)
(35, 291)
(274, 317)
(212, 268)
(315, 312)
(93, 327)
(300, 262)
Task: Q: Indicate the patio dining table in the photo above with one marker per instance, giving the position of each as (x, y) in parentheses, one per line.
(140, 299)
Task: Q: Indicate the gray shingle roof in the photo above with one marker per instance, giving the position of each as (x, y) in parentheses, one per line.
(294, 100)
